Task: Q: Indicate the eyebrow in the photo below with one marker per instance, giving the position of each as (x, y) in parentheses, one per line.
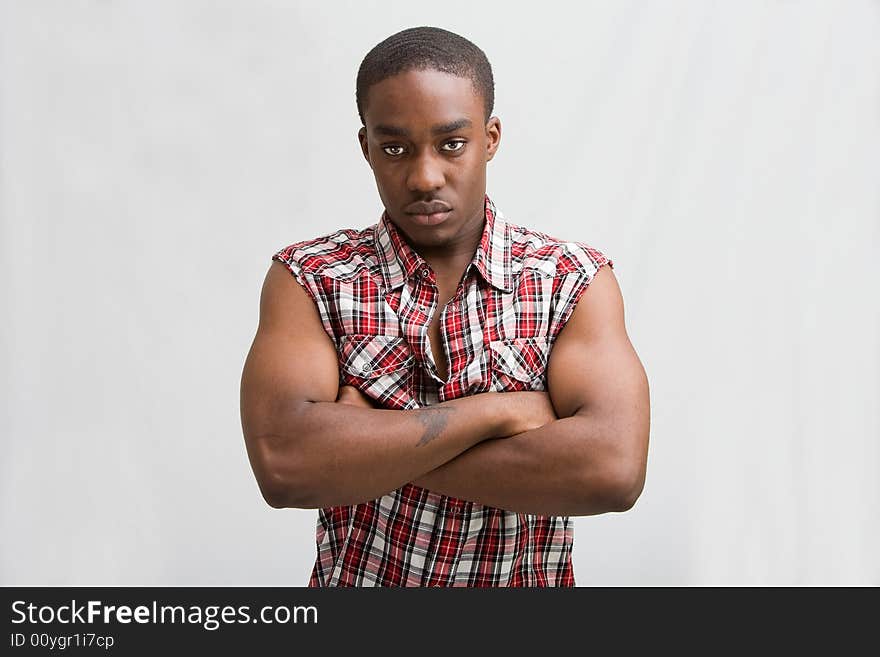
(443, 128)
(439, 129)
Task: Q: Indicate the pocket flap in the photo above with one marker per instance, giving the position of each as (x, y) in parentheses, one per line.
(524, 359)
(374, 355)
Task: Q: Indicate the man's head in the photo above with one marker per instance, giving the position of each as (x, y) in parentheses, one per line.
(420, 48)
(425, 97)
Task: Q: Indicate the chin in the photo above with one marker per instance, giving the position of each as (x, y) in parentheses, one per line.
(428, 236)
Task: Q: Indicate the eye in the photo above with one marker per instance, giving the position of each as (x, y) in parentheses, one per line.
(453, 146)
(393, 150)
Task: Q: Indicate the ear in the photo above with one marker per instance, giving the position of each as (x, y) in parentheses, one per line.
(362, 138)
(493, 137)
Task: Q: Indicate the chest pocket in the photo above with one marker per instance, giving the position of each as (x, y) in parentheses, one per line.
(519, 364)
(380, 366)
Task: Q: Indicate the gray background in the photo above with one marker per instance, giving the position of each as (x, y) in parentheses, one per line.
(153, 155)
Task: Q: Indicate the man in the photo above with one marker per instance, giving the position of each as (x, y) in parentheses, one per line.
(446, 387)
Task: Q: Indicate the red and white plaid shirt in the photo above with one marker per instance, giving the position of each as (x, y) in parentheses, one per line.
(376, 297)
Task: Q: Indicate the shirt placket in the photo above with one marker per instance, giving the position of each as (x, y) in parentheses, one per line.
(454, 334)
(450, 541)
(426, 301)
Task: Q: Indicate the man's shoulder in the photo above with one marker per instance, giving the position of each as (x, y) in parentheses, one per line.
(339, 253)
(553, 256)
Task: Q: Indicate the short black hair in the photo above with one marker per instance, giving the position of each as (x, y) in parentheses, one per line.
(420, 48)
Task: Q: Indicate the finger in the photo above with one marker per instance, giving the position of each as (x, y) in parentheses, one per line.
(353, 396)
(346, 394)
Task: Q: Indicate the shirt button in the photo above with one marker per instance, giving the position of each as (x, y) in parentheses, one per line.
(423, 309)
(365, 368)
(426, 272)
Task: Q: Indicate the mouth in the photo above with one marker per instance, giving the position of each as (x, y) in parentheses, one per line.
(429, 219)
(428, 214)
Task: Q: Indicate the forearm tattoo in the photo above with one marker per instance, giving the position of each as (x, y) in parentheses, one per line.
(434, 421)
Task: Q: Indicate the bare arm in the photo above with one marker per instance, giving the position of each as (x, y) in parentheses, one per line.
(307, 451)
(592, 460)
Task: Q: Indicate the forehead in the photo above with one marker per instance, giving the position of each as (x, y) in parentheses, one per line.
(425, 97)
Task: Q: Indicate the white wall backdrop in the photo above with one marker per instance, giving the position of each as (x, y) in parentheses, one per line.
(153, 155)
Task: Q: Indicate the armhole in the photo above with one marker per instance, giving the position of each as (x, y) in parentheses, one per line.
(285, 257)
(573, 287)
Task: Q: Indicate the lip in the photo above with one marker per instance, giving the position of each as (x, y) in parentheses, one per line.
(428, 213)
(432, 219)
(427, 207)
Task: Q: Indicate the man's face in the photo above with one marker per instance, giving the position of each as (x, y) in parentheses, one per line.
(428, 142)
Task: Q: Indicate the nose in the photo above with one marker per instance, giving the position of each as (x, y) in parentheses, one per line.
(425, 174)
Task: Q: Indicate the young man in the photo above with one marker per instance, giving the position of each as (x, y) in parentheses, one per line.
(446, 387)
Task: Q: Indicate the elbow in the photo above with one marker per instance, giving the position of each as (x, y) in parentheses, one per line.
(273, 499)
(281, 478)
(623, 486)
(289, 486)
(625, 472)
(626, 493)
(279, 492)
(275, 492)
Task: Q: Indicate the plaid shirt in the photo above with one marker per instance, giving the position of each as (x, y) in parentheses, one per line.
(376, 296)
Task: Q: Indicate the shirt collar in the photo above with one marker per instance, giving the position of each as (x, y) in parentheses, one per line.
(492, 260)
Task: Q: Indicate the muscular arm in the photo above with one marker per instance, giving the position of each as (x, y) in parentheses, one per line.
(307, 451)
(593, 459)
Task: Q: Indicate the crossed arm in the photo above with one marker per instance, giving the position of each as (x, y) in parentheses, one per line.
(506, 450)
